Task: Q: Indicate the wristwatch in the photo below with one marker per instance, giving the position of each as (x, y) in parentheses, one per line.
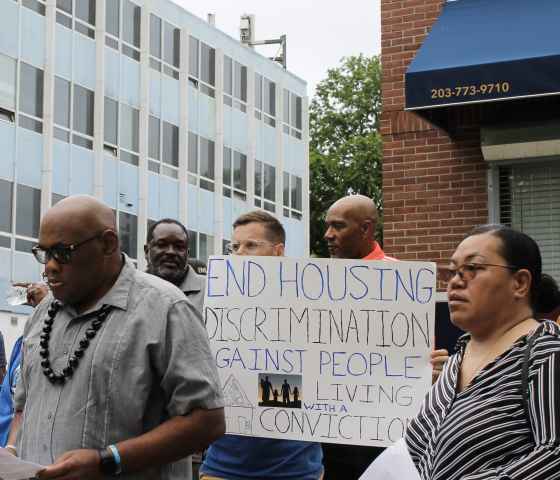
(109, 462)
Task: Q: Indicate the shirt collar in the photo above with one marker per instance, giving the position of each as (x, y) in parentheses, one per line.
(376, 254)
(118, 295)
(193, 282)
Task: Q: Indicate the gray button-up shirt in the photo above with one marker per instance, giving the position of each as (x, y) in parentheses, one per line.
(193, 287)
(150, 361)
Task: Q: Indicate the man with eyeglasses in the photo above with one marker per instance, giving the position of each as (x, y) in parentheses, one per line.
(235, 457)
(167, 255)
(117, 377)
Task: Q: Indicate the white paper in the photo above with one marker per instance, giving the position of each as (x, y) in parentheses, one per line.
(393, 464)
(13, 468)
(321, 350)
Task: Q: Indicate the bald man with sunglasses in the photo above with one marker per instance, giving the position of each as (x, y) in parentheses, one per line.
(117, 375)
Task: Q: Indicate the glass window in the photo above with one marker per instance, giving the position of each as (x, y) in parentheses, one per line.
(193, 57)
(193, 153)
(55, 198)
(172, 45)
(240, 82)
(24, 245)
(528, 200)
(31, 90)
(87, 31)
(297, 193)
(31, 124)
(129, 128)
(83, 110)
(128, 157)
(205, 246)
(193, 252)
(258, 178)
(60, 134)
(62, 102)
(170, 144)
(258, 91)
(208, 64)
(6, 202)
(227, 166)
(269, 190)
(112, 16)
(155, 36)
(270, 97)
(28, 211)
(64, 5)
(286, 104)
(82, 142)
(228, 75)
(128, 233)
(131, 23)
(296, 112)
(206, 158)
(131, 52)
(286, 189)
(85, 10)
(35, 6)
(111, 121)
(64, 20)
(240, 171)
(153, 138)
(7, 83)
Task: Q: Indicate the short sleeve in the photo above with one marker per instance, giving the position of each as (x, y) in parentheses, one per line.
(185, 364)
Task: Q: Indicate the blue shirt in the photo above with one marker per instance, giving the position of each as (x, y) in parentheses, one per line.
(7, 392)
(238, 457)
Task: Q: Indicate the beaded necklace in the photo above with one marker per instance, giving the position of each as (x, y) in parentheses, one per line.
(60, 377)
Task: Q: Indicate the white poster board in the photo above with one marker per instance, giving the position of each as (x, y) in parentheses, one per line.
(332, 351)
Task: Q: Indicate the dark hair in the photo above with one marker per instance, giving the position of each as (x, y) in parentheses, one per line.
(165, 220)
(275, 230)
(520, 251)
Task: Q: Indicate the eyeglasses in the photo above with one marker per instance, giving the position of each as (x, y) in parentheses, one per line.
(468, 271)
(60, 252)
(250, 246)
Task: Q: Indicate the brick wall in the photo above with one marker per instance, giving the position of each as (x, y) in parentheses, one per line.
(434, 187)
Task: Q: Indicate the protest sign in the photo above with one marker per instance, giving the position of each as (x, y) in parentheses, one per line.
(321, 350)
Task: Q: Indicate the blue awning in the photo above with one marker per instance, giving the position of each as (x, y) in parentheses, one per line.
(487, 50)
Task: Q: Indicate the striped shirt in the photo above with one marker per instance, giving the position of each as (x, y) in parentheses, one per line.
(482, 433)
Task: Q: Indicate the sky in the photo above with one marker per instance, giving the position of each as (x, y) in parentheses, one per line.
(319, 32)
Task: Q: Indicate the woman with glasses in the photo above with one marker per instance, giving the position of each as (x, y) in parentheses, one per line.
(494, 413)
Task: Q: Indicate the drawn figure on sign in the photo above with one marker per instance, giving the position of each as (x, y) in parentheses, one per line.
(296, 395)
(275, 395)
(266, 389)
(239, 416)
(286, 390)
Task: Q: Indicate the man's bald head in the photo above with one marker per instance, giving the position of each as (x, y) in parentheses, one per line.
(351, 222)
(79, 214)
(86, 228)
(358, 207)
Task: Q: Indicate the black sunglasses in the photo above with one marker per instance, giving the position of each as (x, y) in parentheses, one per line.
(59, 252)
